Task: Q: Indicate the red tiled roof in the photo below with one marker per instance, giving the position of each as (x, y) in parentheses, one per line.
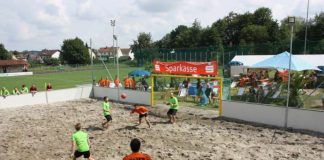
(106, 49)
(12, 62)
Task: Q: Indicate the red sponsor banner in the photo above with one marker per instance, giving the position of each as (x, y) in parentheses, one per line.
(183, 67)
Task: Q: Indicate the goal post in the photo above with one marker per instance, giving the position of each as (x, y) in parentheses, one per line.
(217, 88)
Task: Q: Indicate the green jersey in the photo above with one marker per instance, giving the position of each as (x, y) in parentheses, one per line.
(4, 92)
(14, 92)
(174, 103)
(81, 140)
(105, 108)
(24, 90)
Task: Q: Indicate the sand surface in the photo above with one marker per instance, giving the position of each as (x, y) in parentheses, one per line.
(43, 132)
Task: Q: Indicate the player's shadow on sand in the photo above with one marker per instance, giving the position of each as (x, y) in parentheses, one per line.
(128, 128)
(94, 128)
(161, 122)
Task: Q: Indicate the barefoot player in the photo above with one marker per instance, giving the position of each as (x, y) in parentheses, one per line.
(106, 113)
(174, 106)
(142, 111)
(80, 144)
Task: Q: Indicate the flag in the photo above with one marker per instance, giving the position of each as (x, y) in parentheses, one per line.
(115, 37)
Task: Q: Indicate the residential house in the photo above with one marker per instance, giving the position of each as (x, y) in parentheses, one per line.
(50, 54)
(9, 66)
(92, 53)
(33, 56)
(19, 56)
(127, 52)
(106, 53)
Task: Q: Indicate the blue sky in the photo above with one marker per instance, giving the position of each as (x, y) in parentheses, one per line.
(39, 24)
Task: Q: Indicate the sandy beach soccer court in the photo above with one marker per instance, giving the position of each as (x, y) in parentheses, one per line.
(43, 132)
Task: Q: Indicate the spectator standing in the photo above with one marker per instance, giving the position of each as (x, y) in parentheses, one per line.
(144, 84)
(314, 80)
(259, 94)
(136, 155)
(266, 74)
(199, 89)
(127, 83)
(133, 81)
(208, 92)
(107, 82)
(276, 77)
(116, 81)
(251, 94)
(101, 82)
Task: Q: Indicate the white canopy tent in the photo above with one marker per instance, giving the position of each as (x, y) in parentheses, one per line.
(250, 60)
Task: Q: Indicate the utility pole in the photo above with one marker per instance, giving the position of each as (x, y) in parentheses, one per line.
(91, 58)
(112, 23)
(305, 42)
(291, 21)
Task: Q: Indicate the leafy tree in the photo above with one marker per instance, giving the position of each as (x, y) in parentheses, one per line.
(319, 48)
(316, 29)
(262, 16)
(74, 51)
(4, 54)
(140, 47)
(51, 61)
(296, 84)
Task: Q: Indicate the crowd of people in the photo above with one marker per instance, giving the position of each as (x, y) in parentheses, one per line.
(259, 83)
(4, 92)
(129, 83)
(81, 142)
(205, 92)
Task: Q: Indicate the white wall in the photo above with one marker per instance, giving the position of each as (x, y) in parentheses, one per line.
(133, 96)
(40, 97)
(271, 115)
(56, 55)
(254, 113)
(306, 119)
(16, 74)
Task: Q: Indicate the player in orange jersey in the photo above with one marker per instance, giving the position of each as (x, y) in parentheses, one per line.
(142, 111)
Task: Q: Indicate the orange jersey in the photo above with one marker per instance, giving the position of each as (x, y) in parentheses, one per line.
(107, 82)
(116, 83)
(137, 156)
(133, 83)
(140, 110)
(102, 83)
(127, 83)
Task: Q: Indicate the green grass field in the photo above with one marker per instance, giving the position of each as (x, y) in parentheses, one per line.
(68, 78)
(60, 80)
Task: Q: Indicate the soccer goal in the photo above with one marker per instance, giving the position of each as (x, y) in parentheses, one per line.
(195, 91)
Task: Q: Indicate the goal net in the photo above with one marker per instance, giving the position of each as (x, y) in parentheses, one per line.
(192, 91)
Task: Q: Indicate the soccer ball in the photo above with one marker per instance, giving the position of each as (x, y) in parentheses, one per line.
(123, 95)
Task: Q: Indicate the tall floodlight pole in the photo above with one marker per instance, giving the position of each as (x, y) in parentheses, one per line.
(291, 21)
(305, 42)
(91, 58)
(112, 23)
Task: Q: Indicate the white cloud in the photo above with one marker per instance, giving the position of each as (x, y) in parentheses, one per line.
(38, 24)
